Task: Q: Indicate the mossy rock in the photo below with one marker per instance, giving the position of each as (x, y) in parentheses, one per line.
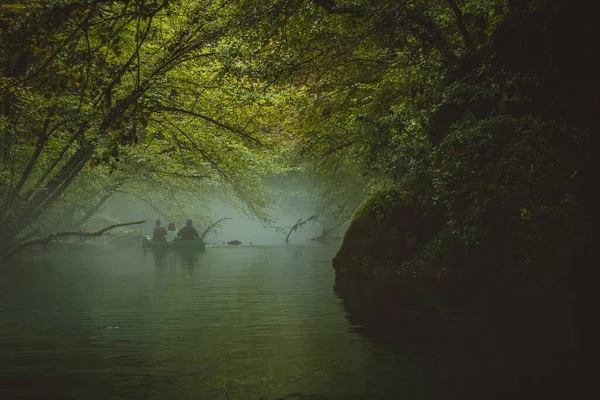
(387, 232)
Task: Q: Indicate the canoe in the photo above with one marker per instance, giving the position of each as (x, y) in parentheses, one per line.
(195, 244)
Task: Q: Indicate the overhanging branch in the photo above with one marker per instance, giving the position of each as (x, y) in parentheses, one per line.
(213, 121)
(52, 236)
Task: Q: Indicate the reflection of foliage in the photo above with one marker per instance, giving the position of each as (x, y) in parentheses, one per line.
(298, 225)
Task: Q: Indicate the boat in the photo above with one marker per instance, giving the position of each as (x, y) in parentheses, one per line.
(194, 244)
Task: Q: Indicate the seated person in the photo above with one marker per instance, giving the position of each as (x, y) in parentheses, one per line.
(171, 232)
(160, 233)
(188, 232)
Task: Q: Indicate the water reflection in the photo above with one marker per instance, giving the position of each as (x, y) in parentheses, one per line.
(231, 323)
(262, 322)
(468, 343)
(188, 258)
(159, 257)
(167, 259)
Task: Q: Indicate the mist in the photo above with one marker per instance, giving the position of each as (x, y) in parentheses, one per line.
(286, 207)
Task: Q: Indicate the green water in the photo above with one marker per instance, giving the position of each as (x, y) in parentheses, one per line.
(263, 322)
(229, 323)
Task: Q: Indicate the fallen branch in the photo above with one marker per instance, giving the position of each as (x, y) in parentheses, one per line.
(298, 225)
(52, 236)
(209, 228)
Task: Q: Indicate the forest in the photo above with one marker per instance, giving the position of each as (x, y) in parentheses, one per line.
(479, 111)
(448, 144)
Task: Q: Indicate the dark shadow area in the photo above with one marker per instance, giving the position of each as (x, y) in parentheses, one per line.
(476, 344)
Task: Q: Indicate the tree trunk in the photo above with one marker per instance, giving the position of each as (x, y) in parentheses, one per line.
(21, 214)
(43, 137)
(89, 213)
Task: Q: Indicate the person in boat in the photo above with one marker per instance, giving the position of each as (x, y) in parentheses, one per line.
(171, 232)
(160, 233)
(188, 232)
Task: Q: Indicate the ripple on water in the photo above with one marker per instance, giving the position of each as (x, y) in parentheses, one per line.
(250, 323)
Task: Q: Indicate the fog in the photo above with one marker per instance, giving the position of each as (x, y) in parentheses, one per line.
(247, 229)
(288, 206)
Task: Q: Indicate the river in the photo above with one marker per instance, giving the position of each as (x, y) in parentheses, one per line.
(246, 322)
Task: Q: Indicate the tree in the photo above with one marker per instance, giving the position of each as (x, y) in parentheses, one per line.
(363, 80)
(82, 81)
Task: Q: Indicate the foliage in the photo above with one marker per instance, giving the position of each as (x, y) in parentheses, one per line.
(511, 163)
(170, 101)
(433, 98)
(144, 87)
(361, 78)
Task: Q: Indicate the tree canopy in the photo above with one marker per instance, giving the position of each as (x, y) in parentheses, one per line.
(140, 90)
(184, 99)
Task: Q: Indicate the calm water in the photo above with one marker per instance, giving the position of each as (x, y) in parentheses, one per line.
(248, 322)
(230, 323)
